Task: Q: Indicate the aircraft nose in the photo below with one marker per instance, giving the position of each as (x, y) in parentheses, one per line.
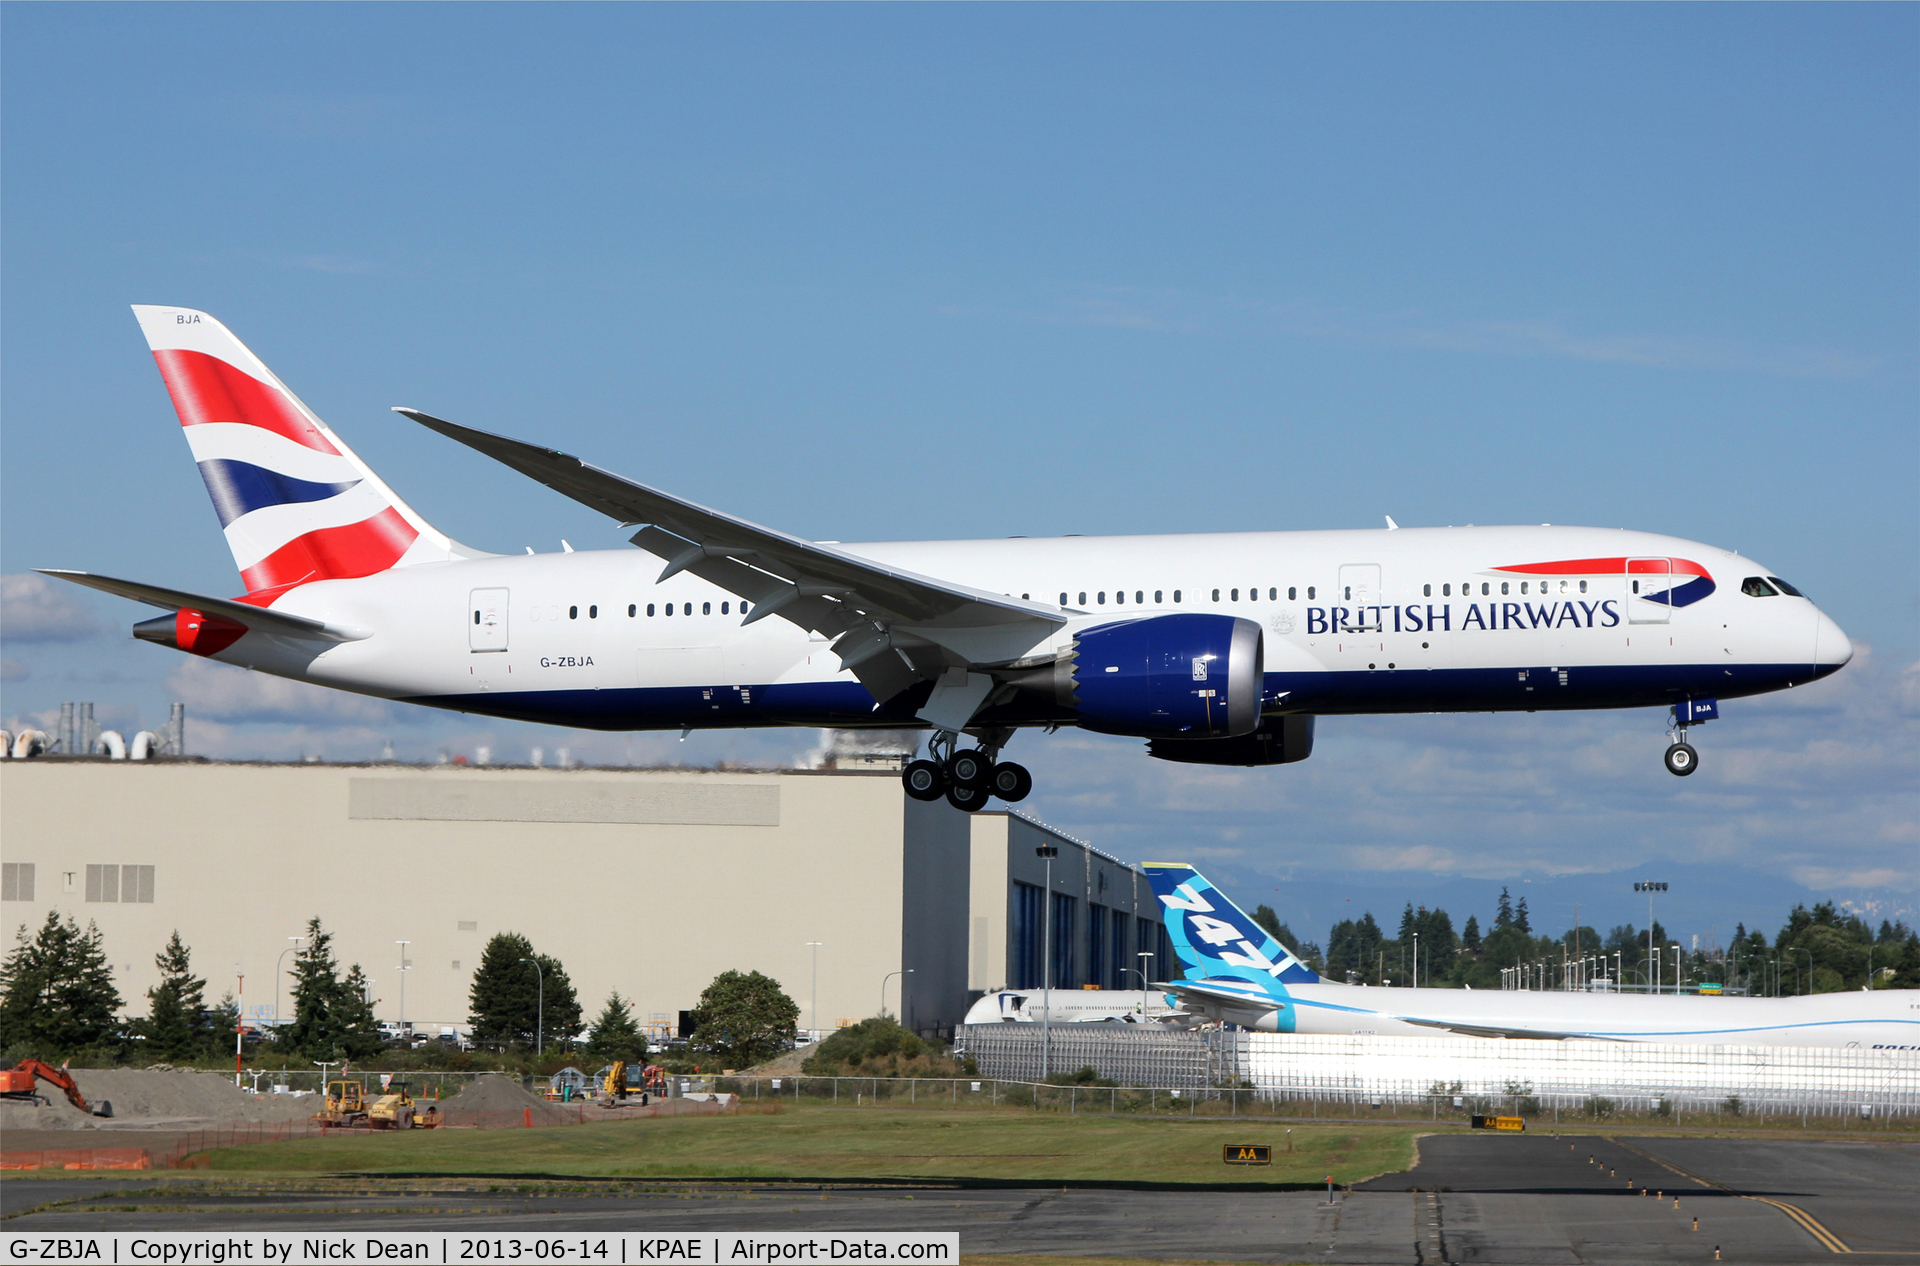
(1831, 646)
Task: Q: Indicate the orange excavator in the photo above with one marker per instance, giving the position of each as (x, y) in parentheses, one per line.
(16, 1082)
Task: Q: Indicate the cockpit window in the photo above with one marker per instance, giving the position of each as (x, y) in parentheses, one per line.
(1754, 587)
(1785, 588)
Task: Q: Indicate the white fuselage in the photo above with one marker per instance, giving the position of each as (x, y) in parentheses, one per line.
(1352, 621)
(1885, 1019)
(1072, 1006)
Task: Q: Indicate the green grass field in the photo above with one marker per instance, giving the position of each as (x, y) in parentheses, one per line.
(854, 1143)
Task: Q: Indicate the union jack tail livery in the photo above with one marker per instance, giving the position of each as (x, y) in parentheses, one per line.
(296, 503)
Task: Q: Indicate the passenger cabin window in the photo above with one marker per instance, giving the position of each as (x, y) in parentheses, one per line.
(1503, 587)
(1236, 595)
(1063, 599)
(1140, 597)
(1273, 593)
(1583, 586)
(1176, 595)
(1100, 598)
(669, 608)
(1484, 590)
(630, 610)
(725, 608)
(706, 608)
(686, 608)
(573, 613)
(1446, 591)
(1083, 597)
(649, 610)
(1309, 593)
(1292, 593)
(1754, 587)
(1157, 599)
(1216, 595)
(1785, 588)
(1426, 591)
(593, 612)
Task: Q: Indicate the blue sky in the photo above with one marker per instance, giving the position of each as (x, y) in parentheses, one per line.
(873, 272)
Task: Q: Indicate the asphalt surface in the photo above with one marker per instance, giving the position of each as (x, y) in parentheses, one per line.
(1471, 1198)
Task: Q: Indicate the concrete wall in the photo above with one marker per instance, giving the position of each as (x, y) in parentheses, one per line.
(649, 882)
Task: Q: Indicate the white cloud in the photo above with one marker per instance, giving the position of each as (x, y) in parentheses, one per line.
(34, 608)
(1175, 312)
(225, 693)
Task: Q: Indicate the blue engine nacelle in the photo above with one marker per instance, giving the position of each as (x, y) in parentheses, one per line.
(1168, 676)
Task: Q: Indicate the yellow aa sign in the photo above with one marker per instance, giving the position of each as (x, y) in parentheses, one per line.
(1247, 1154)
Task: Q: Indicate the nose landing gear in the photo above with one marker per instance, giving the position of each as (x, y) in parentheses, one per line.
(966, 778)
(1681, 758)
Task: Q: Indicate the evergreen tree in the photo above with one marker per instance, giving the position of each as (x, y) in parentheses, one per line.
(56, 989)
(745, 1017)
(1470, 935)
(1520, 922)
(223, 1023)
(332, 1017)
(176, 1023)
(616, 1035)
(1351, 948)
(504, 1001)
(1409, 924)
(1503, 917)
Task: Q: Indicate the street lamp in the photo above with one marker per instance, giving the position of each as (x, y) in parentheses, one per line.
(403, 969)
(1046, 852)
(905, 971)
(540, 1008)
(1143, 983)
(815, 947)
(1676, 968)
(1416, 960)
(1650, 889)
(276, 979)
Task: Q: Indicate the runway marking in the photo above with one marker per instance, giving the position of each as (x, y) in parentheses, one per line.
(1832, 1242)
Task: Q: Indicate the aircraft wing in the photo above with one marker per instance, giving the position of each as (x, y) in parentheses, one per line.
(1495, 1030)
(892, 627)
(257, 618)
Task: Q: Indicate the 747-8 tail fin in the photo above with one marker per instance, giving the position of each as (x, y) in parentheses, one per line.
(296, 503)
(1215, 939)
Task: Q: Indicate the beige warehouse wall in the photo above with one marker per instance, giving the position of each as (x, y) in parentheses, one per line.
(648, 882)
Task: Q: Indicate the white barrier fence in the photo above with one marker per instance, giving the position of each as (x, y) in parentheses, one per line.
(1384, 1071)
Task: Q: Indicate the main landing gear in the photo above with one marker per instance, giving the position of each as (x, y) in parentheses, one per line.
(967, 778)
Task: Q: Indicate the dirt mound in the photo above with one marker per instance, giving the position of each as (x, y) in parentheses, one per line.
(493, 1101)
(142, 1098)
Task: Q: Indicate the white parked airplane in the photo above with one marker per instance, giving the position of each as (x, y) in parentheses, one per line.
(1237, 973)
(1217, 649)
(1077, 1006)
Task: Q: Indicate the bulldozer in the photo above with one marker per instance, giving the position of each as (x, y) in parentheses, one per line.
(17, 1082)
(346, 1104)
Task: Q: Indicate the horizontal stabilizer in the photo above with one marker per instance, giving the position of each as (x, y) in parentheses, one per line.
(258, 619)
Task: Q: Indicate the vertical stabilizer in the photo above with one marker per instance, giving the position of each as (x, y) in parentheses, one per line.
(1214, 938)
(296, 503)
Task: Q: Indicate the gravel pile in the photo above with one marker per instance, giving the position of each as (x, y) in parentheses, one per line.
(142, 1098)
(493, 1101)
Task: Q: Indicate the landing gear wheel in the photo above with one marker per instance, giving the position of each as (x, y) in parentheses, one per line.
(924, 780)
(1682, 759)
(967, 799)
(1011, 782)
(970, 768)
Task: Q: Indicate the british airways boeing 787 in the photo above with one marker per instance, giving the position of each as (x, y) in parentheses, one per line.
(1216, 649)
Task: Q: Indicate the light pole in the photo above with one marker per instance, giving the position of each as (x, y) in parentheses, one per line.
(1676, 968)
(1143, 983)
(239, 1026)
(815, 947)
(1801, 949)
(403, 969)
(540, 1008)
(1046, 852)
(1650, 889)
(1416, 960)
(905, 971)
(276, 979)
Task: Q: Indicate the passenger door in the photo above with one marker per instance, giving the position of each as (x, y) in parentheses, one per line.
(1359, 593)
(1646, 577)
(487, 620)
